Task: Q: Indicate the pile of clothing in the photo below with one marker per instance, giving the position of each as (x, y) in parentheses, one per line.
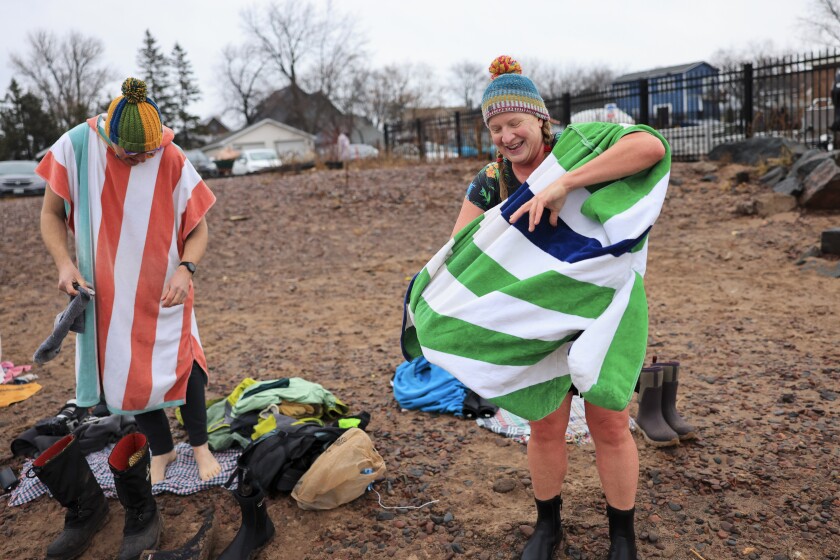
(94, 429)
(17, 383)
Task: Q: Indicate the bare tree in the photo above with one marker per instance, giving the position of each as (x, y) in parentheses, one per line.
(394, 90)
(469, 81)
(553, 80)
(243, 85)
(315, 51)
(66, 71)
(822, 23)
(341, 50)
(728, 59)
(286, 32)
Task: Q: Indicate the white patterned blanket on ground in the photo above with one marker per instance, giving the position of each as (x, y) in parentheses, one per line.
(181, 476)
(520, 316)
(519, 430)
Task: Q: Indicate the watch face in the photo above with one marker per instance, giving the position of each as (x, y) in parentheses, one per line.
(190, 266)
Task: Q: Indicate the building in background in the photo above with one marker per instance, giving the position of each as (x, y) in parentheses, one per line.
(290, 143)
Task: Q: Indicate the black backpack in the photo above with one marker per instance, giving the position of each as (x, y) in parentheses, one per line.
(275, 462)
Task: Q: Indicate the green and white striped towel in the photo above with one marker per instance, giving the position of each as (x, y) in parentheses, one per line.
(519, 316)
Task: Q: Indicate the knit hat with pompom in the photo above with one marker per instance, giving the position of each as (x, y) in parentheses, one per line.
(511, 92)
(133, 120)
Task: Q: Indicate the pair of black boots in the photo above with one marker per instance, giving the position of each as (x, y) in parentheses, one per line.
(548, 532)
(65, 472)
(658, 419)
(254, 533)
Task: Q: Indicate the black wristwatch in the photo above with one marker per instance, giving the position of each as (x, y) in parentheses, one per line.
(190, 266)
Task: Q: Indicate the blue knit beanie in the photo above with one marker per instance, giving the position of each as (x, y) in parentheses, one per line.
(511, 92)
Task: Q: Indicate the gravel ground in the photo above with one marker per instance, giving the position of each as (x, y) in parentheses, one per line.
(305, 276)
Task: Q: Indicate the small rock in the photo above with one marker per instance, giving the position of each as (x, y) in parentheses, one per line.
(504, 485)
(526, 530)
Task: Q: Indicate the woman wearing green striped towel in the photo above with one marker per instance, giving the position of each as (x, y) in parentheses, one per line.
(597, 154)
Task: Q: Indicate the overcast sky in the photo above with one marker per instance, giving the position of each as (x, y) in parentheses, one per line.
(627, 35)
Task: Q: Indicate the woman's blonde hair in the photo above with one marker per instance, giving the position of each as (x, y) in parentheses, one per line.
(503, 188)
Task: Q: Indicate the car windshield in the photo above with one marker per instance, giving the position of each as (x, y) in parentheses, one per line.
(261, 155)
(18, 167)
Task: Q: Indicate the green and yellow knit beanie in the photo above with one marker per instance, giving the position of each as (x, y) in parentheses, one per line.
(511, 92)
(133, 120)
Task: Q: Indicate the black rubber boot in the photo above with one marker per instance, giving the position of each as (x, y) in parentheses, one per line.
(256, 530)
(64, 470)
(650, 420)
(670, 384)
(130, 462)
(622, 534)
(548, 531)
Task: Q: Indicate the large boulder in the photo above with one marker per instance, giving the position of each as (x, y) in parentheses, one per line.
(755, 150)
(821, 188)
(809, 161)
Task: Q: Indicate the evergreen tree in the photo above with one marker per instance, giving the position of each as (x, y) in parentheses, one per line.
(185, 93)
(155, 71)
(27, 128)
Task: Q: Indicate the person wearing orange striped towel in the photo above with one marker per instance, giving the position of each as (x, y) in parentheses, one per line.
(136, 207)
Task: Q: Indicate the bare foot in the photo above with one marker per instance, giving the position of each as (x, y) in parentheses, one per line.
(159, 464)
(208, 467)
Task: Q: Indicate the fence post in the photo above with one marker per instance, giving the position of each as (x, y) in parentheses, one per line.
(748, 100)
(567, 109)
(644, 101)
(458, 131)
(387, 144)
(419, 127)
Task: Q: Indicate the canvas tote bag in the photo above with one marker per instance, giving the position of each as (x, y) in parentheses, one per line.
(341, 473)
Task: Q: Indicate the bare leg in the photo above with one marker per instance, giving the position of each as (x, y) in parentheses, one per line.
(615, 455)
(159, 464)
(208, 466)
(547, 458)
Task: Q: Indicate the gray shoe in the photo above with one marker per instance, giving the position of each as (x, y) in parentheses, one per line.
(650, 420)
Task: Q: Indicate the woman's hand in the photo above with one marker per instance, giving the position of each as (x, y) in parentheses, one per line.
(551, 198)
(67, 276)
(177, 289)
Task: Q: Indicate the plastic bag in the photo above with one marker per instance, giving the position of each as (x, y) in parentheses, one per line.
(341, 473)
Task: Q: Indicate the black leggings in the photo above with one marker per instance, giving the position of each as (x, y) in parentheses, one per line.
(155, 425)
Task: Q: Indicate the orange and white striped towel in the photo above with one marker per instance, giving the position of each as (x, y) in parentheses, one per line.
(138, 219)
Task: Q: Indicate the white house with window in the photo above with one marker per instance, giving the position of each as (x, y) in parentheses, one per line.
(290, 143)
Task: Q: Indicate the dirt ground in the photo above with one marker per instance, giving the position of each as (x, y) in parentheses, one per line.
(305, 276)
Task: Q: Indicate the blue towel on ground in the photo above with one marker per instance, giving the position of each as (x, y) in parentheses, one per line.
(419, 385)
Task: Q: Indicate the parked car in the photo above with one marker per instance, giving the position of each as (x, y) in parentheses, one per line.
(362, 151)
(202, 163)
(18, 177)
(256, 160)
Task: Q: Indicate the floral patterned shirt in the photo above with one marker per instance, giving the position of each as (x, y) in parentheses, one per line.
(484, 188)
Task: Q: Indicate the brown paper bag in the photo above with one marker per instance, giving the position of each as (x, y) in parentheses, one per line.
(337, 476)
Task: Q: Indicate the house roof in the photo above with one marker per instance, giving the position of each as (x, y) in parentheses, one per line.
(312, 112)
(228, 138)
(663, 71)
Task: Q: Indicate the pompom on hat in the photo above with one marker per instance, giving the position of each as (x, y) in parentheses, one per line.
(133, 120)
(511, 92)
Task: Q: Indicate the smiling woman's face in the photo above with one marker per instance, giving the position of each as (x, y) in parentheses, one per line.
(518, 136)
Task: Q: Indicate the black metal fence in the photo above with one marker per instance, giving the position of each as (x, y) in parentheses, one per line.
(787, 97)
